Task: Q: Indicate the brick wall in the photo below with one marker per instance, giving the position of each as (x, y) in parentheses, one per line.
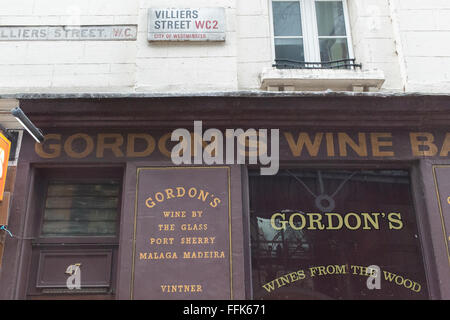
(49, 65)
(425, 31)
(374, 41)
(406, 39)
(188, 66)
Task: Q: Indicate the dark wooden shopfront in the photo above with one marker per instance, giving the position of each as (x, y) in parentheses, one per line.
(102, 192)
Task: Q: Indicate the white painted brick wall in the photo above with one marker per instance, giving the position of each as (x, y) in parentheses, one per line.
(425, 33)
(188, 66)
(255, 46)
(373, 39)
(407, 39)
(67, 66)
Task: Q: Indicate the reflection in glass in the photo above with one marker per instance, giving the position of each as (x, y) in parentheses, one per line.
(286, 18)
(330, 18)
(369, 220)
(289, 49)
(81, 209)
(333, 49)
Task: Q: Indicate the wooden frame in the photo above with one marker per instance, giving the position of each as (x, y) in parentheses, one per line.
(67, 246)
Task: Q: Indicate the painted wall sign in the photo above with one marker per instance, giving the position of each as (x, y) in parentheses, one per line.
(441, 174)
(294, 145)
(5, 147)
(182, 237)
(187, 24)
(65, 33)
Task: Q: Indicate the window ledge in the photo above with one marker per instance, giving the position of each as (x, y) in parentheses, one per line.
(273, 79)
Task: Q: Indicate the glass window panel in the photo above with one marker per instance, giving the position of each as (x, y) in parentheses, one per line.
(333, 49)
(287, 18)
(81, 202)
(330, 18)
(80, 214)
(81, 209)
(83, 228)
(310, 247)
(56, 190)
(289, 49)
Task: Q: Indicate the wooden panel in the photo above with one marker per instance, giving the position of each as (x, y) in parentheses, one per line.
(95, 268)
(73, 297)
(1, 251)
(4, 208)
(10, 178)
(151, 274)
(441, 174)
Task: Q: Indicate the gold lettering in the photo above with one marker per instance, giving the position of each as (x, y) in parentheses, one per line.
(162, 145)
(360, 148)
(395, 221)
(347, 221)
(315, 218)
(330, 144)
(78, 155)
(192, 192)
(428, 143)
(181, 192)
(293, 224)
(54, 147)
(372, 219)
(203, 195)
(446, 146)
(377, 144)
(114, 146)
(330, 221)
(304, 140)
(169, 193)
(181, 288)
(131, 141)
(283, 223)
(150, 203)
(159, 197)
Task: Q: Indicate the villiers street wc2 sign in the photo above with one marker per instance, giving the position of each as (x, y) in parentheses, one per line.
(188, 24)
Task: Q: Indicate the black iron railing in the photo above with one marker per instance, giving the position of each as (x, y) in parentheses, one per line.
(336, 64)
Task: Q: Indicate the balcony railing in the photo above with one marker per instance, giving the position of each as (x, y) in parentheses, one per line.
(336, 64)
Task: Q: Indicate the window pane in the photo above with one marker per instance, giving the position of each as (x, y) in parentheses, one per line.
(315, 232)
(81, 209)
(286, 18)
(83, 228)
(289, 49)
(330, 18)
(333, 49)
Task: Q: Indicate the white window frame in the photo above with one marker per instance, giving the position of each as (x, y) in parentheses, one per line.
(310, 31)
